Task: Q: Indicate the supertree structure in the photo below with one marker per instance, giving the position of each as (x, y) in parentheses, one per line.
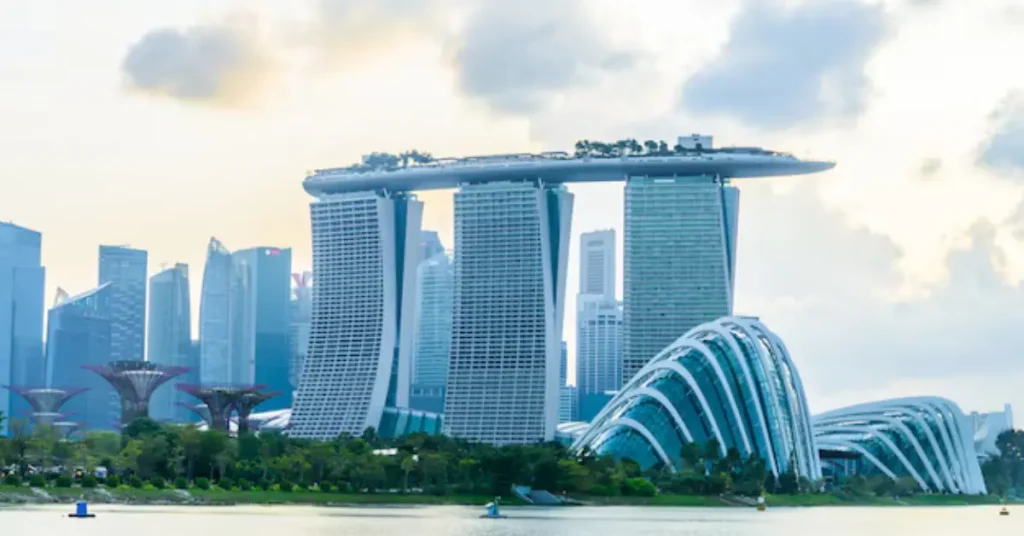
(45, 401)
(248, 402)
(220, 400)
(135, 382)
(67, 428)
(200, 410)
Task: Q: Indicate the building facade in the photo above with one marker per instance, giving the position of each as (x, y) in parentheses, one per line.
(215, 315)
(927, 439)
(511, 253)
(126, 271)
(729, 382)
(679, 254)
(22, 280)
(366, 247)
(988, 426)
(79, 335)
(301, 310)
(170, 338)
(435, 287)
(261, 350)
(598, 353)
(597, 264)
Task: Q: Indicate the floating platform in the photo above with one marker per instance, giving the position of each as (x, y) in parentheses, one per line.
(81, 511)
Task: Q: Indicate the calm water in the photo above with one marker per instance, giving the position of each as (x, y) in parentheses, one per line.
(114, 520)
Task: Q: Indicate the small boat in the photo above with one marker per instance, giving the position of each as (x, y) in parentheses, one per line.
(1004, 512)
(761, 505)
(493, 511)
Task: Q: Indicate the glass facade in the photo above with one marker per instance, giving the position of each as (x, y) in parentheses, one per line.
(215, 316)
(126, 271)
(730, 381)
(679, 255)
(511, 252)
(22, 280)
(925, 438)
(598, 353)
(170, 339)
(360, 339)
(261, 349)
(433, 337)
(301, 311)
(79, 334)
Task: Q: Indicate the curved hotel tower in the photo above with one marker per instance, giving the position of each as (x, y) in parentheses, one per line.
(512, 218)
(730, 381)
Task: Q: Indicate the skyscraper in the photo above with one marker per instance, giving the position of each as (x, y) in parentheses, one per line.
(366, 246)
(260, 352)
(433, 336)
(598, 353)
(126, 270)
(680, 254)
(22, 280)
(301, 308)
(430, 245)
(215, 316)
(597, 264)
(170, 338)
(79, 334)
(511, 251)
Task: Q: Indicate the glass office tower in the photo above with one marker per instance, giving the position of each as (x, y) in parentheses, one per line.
(215, 316)
(435, 288)
(126, 271)
(511, 252)
(22, 280)
(680, 254)
(170, 339)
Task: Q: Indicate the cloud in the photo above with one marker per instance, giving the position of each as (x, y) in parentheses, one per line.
(1003, 151)
(929, 167)
(784, 67)
(212, 64)
(829, 297)
(343, 31)
(517, 56)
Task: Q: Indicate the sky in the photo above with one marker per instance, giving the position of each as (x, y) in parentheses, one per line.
(160, 124)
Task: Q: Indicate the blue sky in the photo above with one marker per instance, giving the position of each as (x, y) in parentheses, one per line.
(159, 124)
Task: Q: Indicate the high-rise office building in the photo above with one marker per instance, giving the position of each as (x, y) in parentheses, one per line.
(597, 264)
(435, 286)
(563, 367)
(430, 244)
(366, 247)
(215, 316)
(301, 310)
(511, 252)
(598, 353)
(126, 271)
(170, 339)
(260, 347)
(680, 254)
(78, 334)
(22, 279)
(567, 396)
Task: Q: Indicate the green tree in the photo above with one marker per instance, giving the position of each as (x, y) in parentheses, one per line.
(408, 466)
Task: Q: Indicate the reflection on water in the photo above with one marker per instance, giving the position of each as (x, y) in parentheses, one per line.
(114, 520)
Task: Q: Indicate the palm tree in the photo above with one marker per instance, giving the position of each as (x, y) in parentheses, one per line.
(663, 147)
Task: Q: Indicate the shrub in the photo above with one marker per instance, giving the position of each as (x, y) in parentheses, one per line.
(244, 484)
(325, 487)
(135, 482)
(181, 483)
(89, 482)
(284, 485)
(37, 481)
(63, 481)
(640, 487)
(113, 481)
(201, 483)
(12, 480)
(265, 484)
(303, 486)
(225, 483)
(157, 482)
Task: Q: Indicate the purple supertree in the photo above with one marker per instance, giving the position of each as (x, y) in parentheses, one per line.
(200, 410)
(67, 428)
(248, 402)
(135, 382)
(45, 401)
(220, 400)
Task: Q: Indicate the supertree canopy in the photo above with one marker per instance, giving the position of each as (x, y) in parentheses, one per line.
(248, 402)
(135, 382)
(67, 428)
(200, 410)
(45, 401)
(220, 400)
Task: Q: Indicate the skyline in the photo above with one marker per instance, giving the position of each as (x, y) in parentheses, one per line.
(913, 279)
